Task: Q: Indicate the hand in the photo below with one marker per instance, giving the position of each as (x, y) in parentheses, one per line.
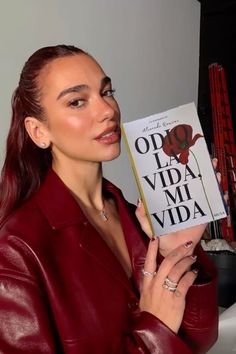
(172, 240)
(169, 242)
(167, 305)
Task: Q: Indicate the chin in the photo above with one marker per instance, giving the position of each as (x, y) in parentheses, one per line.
(112, 155)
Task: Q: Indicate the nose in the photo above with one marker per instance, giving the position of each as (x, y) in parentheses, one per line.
(106, 108)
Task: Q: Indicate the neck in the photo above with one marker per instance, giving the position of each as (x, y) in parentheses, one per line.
(84, 182)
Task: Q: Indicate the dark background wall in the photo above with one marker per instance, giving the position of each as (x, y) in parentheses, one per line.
(217, 44)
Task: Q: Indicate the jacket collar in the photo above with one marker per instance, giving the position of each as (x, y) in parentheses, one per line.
(54, 194)
(51, 197)
(61, 209)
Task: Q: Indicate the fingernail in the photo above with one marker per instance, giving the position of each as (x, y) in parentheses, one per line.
(154, 238)
(188, 244)
(193, 257)
(218, 174)
(215, 159)
(195, 271)
(139, 202)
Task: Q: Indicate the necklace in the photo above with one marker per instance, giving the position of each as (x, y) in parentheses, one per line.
(103, 213)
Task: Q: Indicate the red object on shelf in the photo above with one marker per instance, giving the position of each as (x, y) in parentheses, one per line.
(224, 143)
(229, 143)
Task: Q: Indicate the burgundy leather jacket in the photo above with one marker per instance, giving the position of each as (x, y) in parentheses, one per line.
(63, 291)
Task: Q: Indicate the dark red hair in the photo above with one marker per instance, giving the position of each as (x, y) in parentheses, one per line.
(26, 164)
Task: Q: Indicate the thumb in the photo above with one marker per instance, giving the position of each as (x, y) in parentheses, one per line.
(143, 219)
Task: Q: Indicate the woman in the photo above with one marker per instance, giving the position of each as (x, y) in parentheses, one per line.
(72, 272)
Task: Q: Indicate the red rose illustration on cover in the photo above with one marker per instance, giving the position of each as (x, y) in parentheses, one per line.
(178, 142)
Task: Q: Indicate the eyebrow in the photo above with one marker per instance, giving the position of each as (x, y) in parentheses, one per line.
(78, 88)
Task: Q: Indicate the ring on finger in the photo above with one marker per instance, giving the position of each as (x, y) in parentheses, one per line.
(170, 282)
(149, 274)
(170, 288)
(169, 285)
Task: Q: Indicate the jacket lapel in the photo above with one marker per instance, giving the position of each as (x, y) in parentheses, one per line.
(61, 210)
(136, 240)
(93, 244)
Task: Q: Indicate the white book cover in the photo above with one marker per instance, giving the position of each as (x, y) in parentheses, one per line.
(173, 170)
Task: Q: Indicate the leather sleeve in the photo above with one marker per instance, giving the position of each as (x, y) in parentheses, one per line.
(157, 337)
(199, 329)
(200, 324)
(25, 325)
(26, 328)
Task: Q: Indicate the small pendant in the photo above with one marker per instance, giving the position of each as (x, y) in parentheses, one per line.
(103, 215)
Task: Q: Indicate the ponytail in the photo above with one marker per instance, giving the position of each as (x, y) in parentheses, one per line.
(25, 165)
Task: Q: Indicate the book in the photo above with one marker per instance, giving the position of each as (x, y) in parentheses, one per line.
(173, 170)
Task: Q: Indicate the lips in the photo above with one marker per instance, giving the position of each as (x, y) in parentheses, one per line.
(109, 135)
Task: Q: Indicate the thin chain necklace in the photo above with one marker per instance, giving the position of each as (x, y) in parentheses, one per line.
(102, 212)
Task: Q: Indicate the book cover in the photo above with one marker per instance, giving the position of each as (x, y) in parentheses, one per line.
(173, 170)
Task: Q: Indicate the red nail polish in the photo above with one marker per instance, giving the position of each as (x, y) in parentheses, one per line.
(195, 271)
(193, 257)
(153, 238)
(188, 244)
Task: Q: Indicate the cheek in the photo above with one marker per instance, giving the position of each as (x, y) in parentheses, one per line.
(71, 136)
(71, 126)
(117, 110)
(76, 124)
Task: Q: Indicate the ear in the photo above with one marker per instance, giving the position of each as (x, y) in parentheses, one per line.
(37, 131)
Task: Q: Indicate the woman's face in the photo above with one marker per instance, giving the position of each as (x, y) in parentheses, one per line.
(82, 116)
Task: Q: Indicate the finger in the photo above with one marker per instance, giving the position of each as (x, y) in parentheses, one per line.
(142, 218)
(174, 257)
(226, 193)
(181, 268)
(185, 282)
(150, 264)
(214, 162)
(226, 197)
(218, 176)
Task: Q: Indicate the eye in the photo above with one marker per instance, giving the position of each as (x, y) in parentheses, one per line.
(109, 93)
(78, 102)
